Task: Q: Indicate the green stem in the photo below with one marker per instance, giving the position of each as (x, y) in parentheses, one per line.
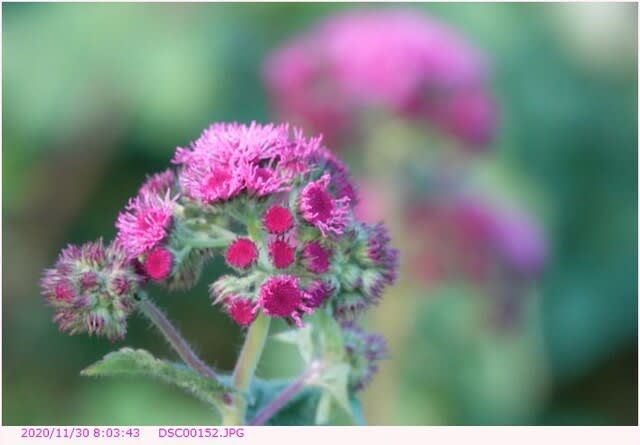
(208, 243)
(246, 367)
(174, 338)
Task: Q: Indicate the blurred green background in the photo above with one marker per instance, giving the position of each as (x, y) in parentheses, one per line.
(96, 96)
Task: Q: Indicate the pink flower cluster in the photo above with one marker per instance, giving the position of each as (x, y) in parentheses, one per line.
(278, 206)
(302, 269)
(397, 60)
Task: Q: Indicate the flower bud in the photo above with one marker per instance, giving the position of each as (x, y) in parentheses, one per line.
(351, 277)
(241, 253)
(188, 269)
(349, 306)
(364, 351)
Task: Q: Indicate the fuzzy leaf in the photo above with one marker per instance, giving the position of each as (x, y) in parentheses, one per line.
(138, 362)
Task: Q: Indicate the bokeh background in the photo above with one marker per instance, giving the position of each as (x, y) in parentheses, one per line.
(97, 96)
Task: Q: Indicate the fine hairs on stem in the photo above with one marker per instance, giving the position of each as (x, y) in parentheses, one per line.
(171, 334)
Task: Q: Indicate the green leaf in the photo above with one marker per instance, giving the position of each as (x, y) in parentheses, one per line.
(333, 381)
(302, 339)
(299, 411)
(138, 362)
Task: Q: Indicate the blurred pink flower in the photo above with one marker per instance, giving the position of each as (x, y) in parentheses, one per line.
(398, 60)
(468, 238)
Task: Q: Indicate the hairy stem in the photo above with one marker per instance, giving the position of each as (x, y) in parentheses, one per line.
(287, 394)
(174, 338)
(246, 366)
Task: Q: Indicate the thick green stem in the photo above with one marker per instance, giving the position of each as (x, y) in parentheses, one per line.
(246, 367)
(174, 338)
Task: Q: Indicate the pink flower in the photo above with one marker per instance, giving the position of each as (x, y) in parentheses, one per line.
(88, 280)
(241, 253)
(228, 159)
(277, 220)
(158, 264)
(400, 61)
(209, 183)
(281, 253)
(319, 208)
(121, 284)
(64, 291)
(145, 222)
(159, 183)
(241, 310)
(319, 292)
(280, 296)
(315, 257)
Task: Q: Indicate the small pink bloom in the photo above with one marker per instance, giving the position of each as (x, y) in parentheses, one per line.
(145, 222)
(88, 280)
(281, 253)
(213, 184)
(158, 264)
(318, 293)
(241, 253)
(281, 297)
(159, 183)
(241, 310)
(64, 291)
(316, 257)
(121, 285)
(277, 220)
(319, 208)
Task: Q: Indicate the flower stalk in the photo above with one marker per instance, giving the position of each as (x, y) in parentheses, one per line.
(171, 334)
(246, 366)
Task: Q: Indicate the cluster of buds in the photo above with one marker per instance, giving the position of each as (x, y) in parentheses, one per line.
(92, 289)
(276, 205)
(394, 60)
